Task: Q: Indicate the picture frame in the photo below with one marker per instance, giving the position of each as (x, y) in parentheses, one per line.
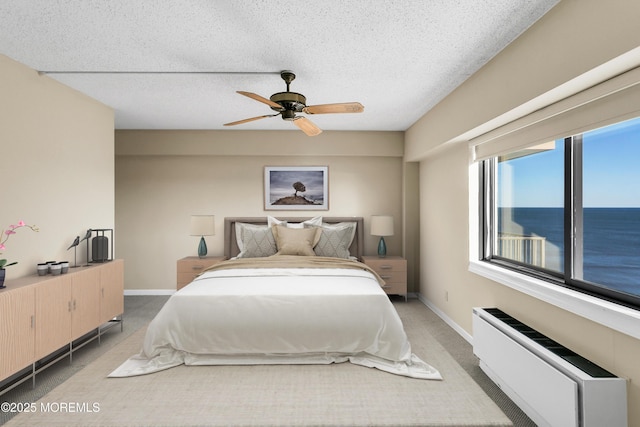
(296, 188)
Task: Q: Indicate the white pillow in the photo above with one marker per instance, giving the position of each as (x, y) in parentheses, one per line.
(317, 221)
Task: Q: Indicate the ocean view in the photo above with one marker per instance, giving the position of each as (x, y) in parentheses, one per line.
(611, 254)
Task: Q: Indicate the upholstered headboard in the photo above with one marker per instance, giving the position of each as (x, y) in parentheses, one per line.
(231, 245)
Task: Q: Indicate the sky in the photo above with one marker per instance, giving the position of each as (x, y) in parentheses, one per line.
(611, 178)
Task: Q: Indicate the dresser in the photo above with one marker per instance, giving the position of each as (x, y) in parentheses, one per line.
(46, 318)
(190, 267)
(393, 270)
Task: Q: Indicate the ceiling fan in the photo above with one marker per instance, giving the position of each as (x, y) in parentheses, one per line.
(288, 104)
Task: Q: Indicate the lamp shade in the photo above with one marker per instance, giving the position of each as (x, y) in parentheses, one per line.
(382, 225)
(202, 225)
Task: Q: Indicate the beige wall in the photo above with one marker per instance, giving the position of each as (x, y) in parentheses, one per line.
(57, 166)
(552, 52)
(163, 177)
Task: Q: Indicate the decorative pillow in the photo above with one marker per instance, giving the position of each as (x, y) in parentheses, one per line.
(296, 241)
(335, 240)
(254, 241)
(271, 221)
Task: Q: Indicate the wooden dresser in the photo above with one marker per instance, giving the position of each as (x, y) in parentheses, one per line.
(45, 315)
(190, 267)
(393, 270)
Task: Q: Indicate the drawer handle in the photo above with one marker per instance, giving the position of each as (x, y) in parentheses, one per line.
(197, 267)
(385, 277)
(385, 287)
(386, 267)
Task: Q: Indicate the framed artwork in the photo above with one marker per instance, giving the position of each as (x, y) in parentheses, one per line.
(296, 188)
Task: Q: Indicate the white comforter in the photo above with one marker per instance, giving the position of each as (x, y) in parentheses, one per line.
(278, 316)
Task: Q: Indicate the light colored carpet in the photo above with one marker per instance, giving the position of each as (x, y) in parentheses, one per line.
(308, 395)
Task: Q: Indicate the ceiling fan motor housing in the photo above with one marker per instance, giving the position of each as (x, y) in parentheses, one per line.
(290, 101)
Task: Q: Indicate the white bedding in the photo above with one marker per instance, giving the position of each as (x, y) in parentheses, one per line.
(278, 316)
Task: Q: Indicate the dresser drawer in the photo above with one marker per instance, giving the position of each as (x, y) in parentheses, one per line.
(193, 266)
(386, 265)
(392, 276)
(393, 270)
(190, 267)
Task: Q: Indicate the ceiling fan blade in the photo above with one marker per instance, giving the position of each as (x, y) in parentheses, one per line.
(307, 126)
(347, 107)
(239, 122)
(262, 99)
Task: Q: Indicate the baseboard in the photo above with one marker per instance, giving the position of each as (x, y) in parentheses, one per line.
(149, 292)
(464, 334)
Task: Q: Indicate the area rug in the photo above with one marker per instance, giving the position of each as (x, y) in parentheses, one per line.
(300, 395)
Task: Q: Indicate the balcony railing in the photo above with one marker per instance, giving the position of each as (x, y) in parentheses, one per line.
(526, 249)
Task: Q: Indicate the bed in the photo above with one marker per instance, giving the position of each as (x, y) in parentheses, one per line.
(291, 292)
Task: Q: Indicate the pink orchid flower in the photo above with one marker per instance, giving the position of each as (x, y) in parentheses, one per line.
(7, 234)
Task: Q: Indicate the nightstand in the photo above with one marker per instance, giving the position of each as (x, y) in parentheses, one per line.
(190, 267)
(393, 270)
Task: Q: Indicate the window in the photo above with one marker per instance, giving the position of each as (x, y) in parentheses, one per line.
(568, 211)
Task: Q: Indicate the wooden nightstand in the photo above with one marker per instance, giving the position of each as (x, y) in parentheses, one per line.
(189, 268)
(393, 270)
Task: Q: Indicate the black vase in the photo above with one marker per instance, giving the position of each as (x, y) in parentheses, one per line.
(99, 249)
(2, 274)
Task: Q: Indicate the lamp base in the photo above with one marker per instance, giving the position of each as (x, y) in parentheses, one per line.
(202, 248)
(382, 248)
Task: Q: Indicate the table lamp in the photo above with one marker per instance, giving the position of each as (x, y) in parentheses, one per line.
(202, 225)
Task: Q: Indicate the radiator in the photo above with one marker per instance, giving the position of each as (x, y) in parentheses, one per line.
(551, 384)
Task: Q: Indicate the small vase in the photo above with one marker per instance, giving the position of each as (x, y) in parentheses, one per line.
(2, 274)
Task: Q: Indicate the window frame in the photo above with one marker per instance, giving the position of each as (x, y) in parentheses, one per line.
(560, 289)
(488, 208)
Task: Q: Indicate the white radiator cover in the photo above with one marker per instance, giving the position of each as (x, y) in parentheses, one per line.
(540, 379)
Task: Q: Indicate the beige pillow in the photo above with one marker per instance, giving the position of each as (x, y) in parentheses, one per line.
(296, 241)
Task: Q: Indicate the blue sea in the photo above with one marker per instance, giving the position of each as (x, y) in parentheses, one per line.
(611, 252)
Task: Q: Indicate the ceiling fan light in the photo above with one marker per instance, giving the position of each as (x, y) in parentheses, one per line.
(288, 115)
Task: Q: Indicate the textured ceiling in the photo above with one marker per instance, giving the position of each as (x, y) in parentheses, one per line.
(397, 57)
